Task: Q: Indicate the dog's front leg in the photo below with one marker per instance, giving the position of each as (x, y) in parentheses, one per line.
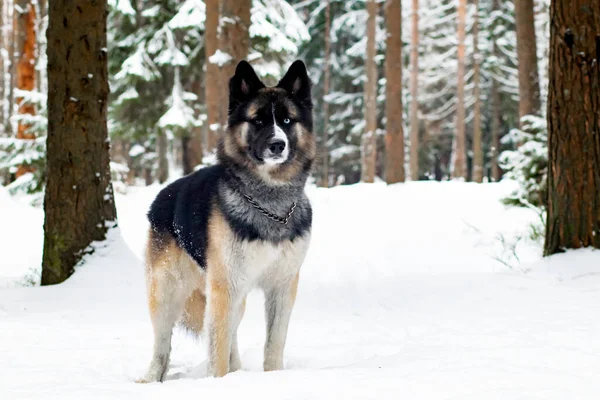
(219, 321)
(279, 302)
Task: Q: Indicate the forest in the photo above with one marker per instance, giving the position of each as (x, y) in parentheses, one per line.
(456, 182)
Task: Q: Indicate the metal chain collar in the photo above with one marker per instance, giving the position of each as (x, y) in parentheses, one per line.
(281, 220)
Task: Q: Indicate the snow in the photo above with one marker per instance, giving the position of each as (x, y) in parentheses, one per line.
(179, 113)
(400, 297)
(136, 150)
(191, 14)
(219, 58)
(123, 6)
(139, 65)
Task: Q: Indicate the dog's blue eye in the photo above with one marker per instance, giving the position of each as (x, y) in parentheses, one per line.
(286, 121)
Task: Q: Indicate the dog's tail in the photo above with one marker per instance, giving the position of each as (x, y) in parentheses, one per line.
(193, 313)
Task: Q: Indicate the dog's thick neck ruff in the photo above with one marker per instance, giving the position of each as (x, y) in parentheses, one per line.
(276, 202)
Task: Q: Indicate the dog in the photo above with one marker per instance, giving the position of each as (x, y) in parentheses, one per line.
(241, 224)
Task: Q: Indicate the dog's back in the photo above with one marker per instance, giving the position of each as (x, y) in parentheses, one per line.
(183, 208)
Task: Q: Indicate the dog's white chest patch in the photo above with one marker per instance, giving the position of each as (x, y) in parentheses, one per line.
(257, 263)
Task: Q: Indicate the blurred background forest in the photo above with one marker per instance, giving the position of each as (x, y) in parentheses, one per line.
(169, 61)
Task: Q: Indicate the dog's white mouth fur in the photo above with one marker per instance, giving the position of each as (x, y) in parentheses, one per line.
(280, 159)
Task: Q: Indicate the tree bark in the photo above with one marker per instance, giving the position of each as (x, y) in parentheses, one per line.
(79, 201)
(460, 153)
(161, 150)
(2, 69)
(496, 103)
(495, 128)
(326, 88)
(414, 93)
(529, 81)
(26, 63)
(192, 145)
(477, 173)
(41, 11)
(574, 126)
(369, 145)
(213, 76)
(25, 69)
(234, 41)
(12, 67)
(394, 137)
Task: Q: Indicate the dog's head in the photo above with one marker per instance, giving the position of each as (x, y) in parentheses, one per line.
(270, 128)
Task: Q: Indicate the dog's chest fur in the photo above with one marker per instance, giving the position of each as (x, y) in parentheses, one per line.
(251, 263)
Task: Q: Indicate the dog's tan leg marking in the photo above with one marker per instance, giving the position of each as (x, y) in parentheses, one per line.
(219, 328)
(279, 302)
(219, 297)
(235, 362)
(171, 279)
(193, 314)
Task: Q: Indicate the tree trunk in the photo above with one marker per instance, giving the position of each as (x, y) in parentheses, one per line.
(213, 77)
(25, 70)
(234, 41)
(2, 70)
(41, 11)
(326, 88)
(12, 67)
(394, 137)
(26, 64)
(477, 173)
(414, 93)
(460, 153)
(495, 128)
(193, 142)
(529, 82)
(161, 150)
(79, 202)
(496, 103)
(574, 126)
(369, 145)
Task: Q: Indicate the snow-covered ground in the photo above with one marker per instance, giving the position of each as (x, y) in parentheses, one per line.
(415, 291)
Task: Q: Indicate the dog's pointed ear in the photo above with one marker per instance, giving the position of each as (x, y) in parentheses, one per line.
(243, 85)
(297, 83)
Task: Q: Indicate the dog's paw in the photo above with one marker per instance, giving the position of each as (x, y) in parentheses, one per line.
(272, 366)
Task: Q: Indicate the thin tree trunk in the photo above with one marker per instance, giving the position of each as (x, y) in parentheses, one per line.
(496, 102)
(12, 67)
(2, 69)
(529, 82)
(25, 70)
(369, 145)
(414, 93)
(79, 202)
(41, 13)
(213, 77)
(326, 88)
(193, 144)
(161, 150)
(477, 173)
(495, 128)
(460, 154)
(234, 41)
(26, 64)
(394, 138)
(574, 126)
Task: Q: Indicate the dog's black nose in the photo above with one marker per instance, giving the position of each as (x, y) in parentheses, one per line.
(276, 147)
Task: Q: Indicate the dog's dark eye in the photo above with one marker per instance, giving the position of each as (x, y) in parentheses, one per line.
(286, 121)
(258, 121)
